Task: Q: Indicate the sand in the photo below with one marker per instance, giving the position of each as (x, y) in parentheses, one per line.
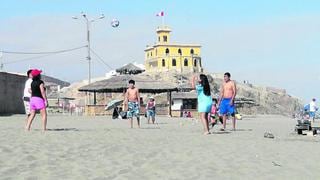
(77, 147)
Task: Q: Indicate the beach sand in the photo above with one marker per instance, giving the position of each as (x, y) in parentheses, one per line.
(77, 147)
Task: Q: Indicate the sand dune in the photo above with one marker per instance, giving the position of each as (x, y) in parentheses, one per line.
(101, 148)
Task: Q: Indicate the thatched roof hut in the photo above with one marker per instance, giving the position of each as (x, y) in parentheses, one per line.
(129, 69)
(145, 84)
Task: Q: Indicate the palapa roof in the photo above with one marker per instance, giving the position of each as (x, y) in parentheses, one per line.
(129, 69)
(145, 84)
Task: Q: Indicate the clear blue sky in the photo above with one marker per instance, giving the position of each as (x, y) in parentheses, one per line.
(271, 42)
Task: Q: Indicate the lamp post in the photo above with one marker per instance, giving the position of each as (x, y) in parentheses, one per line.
(88, 22)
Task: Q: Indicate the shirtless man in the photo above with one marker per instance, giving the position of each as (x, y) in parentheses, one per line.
(132, 102)
(226, 101)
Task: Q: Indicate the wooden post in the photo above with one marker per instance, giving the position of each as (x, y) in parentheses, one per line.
(94, 98)
(170, 114)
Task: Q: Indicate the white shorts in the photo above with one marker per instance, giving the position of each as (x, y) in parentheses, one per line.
(27, 107)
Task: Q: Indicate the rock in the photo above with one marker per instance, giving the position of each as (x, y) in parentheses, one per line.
(268, 135)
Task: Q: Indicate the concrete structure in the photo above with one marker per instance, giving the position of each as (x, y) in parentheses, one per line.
(11, 92)
(167, 56)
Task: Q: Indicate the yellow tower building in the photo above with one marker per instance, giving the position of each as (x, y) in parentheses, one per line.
(167, 56)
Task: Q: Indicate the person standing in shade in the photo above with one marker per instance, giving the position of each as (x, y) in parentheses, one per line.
(38, 100)
(204, 99)
(151, 110)
(226, 101)
(132, 102)
(27, 94)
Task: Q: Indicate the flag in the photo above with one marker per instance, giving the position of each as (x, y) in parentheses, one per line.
(160, 13)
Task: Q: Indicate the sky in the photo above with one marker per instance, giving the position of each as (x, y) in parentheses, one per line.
(268, 42)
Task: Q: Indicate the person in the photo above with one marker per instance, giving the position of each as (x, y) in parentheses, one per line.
(185, 114)
(27, 94)
(132, 102)
(189, 115)
(38, 100)
(204, 99)
(213, 113)
(226, 101)
(312, 109)
(151, 110)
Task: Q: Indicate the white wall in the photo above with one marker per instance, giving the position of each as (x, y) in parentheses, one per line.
(177, 103)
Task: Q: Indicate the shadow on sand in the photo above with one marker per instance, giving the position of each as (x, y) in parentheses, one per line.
(221, 132)
(156, 127)
(243, 130)
(63, 129)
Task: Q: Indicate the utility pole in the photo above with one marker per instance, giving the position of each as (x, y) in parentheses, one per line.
(88, 23)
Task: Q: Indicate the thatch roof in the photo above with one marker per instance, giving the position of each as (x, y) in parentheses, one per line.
(129, 69)
(145, 84)
(56, 95)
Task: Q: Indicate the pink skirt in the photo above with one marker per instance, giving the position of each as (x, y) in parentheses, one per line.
(37, 103)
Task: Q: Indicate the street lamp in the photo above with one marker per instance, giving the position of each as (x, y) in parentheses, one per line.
(88, 22)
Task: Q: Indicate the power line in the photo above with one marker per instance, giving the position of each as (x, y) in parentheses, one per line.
(101, 60)
(28, 59)
(48, 52)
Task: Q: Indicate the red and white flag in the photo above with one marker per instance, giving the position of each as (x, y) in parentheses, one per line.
(160, 13)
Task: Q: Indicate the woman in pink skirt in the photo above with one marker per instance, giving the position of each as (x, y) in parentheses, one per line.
(38, 99)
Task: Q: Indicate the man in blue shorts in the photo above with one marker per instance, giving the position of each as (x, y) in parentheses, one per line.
(226, 101)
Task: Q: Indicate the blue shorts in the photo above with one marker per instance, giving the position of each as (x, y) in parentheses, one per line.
(225, 107)
(151, 113)
(133, 109)
(312, 114)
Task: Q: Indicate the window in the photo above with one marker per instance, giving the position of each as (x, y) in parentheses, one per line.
(191, 51)
(163, 63)
(179, 52)
(195, 62)
(174, 62)
(185, 62)
(189, 104)
(159, 39)
(156, 52)
(167, 51)
(147, 54)
(151, 54)
(165, 38)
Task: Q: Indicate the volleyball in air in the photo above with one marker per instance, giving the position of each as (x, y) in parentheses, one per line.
(115, 23)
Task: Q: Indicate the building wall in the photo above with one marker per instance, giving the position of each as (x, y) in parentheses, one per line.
(177, 103)
(157, 59)
(156, 56)
(11, 92)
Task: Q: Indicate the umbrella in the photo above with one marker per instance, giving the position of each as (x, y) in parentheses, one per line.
(113, 104)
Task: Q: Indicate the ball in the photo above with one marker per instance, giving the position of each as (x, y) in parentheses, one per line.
(115, 23)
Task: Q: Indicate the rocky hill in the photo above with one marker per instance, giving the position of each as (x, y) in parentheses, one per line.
(250, 99)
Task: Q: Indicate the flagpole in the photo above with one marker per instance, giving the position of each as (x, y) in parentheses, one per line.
(162, 18)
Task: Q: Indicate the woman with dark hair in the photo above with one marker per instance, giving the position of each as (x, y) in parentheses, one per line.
(38, 99)
(204, 99)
